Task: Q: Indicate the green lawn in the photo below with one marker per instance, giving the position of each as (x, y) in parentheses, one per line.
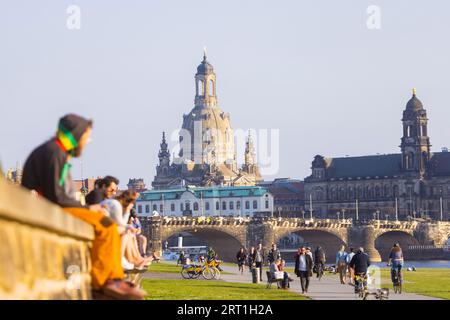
(158, 289)
(428, 282)
(167, 268)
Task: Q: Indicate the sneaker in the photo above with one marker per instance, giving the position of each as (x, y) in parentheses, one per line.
(122, 290)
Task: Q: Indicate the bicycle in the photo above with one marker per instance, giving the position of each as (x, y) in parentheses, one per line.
(361, 286)
(396, 277)
(193, 271)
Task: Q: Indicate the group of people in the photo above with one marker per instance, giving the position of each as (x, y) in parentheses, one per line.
(118, 244)
(256, 258)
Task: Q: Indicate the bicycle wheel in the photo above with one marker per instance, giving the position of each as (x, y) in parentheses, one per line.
(185, 273)
(216, 273)
(207, 273)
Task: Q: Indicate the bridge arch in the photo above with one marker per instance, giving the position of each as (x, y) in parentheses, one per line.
(328, 239)
(385, 241)
(225, 243)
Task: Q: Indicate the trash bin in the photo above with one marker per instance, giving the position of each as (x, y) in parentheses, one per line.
(255, 275)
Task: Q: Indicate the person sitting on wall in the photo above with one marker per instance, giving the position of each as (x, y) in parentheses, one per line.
(105, 188)
(47, 172)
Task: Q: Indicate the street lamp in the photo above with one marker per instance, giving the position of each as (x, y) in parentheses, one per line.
(374, 216)
(378, 215)
(303, 214)
(338, 215)
(343, 214)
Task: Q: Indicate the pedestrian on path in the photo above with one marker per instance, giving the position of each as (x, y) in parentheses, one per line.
(350, 255)
(241, 257)
(341, 264)
(258, 259)
(303, 268)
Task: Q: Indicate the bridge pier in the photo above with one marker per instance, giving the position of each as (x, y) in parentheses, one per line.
(364, 236)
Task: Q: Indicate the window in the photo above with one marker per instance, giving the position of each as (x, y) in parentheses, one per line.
(206, 205)
(200, 88)
(247, 204)
(217, 206)
(231, 205)
(211, 87)
(238, 205)
(172, 207)
(267, 204)
(147, 208)
(181, 207)
(155, 207)
(139, 209)
(188, 206)
(255, 204)
(224, 205)
(195, 206)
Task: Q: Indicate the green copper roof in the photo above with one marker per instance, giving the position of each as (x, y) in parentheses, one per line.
(204, 192)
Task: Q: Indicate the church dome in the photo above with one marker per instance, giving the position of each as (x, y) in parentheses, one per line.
(414, 104)
(205, 67)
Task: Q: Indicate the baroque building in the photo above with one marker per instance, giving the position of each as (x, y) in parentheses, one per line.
(411, 184)
(207, 155)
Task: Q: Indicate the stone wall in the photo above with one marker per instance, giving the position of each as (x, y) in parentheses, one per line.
(44, 252)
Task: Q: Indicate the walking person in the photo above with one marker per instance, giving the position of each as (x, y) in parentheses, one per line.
(241, 258)
(303, 268)
(250, 256)
(258, 259)
(341, 264)
(319, 261)
(274, 254)
(350, 255)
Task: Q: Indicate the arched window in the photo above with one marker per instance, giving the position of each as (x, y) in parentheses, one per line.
(238, 205)
(155, 207)
(188, 206)
(224, 205)
(247, 204)
(217, 205)
(181, 207)
(206, 205)
(172, 207)
(200, 88)
(231, 205)
(147, 208)
(195, 206)
(255, 204)
(211, 88)
(386, 191)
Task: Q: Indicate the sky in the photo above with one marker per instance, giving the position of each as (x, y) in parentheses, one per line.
(333, 77)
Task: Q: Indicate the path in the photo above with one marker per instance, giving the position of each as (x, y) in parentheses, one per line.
(328, 288)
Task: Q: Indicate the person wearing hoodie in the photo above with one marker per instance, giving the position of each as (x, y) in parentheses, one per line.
(47, 172)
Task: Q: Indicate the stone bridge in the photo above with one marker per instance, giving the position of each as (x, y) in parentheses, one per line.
(227, 234)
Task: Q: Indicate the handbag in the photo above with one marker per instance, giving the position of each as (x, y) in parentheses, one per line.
(279, 275)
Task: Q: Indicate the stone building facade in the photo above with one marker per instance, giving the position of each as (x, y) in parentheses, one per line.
(416, 181)
(207, 201)
(207, 155)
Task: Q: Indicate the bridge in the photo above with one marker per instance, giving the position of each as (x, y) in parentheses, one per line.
(227, 234)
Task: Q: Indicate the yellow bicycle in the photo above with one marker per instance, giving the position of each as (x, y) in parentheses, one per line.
(208, 271)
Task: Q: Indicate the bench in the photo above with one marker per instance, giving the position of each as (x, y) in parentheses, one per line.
(271, 279)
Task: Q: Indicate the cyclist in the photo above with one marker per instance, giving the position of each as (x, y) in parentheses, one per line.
(359, 264)
(396, 263)
(319, 261)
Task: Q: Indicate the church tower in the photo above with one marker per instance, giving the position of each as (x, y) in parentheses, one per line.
(415, 143)
(164, 158)
(250, 165)
(205, 85)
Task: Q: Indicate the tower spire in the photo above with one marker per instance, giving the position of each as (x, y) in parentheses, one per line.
(204, 53)
(414, 91)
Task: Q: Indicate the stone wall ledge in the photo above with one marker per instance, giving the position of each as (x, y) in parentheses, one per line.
(18, 204)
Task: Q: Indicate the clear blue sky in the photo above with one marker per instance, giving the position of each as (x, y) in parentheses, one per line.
(309, 68)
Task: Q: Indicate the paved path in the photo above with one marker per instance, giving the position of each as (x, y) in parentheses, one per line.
(328, 288)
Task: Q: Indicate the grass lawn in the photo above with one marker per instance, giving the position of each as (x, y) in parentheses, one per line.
(428, 282)
(167, 268)
(158, 289)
